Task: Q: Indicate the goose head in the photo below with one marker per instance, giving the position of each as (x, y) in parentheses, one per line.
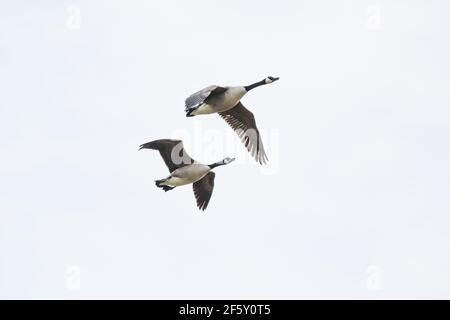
(270, 79)
(228, 160)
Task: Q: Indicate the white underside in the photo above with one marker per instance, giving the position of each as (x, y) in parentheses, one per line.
(205, 109)
(176, 182)
(186, 175)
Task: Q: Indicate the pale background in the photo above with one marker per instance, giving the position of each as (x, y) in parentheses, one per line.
(355, 203)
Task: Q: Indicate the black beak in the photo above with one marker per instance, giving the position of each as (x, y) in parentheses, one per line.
(274, 78)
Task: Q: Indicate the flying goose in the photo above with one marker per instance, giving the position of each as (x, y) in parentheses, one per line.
(226, 102)
(184, 170)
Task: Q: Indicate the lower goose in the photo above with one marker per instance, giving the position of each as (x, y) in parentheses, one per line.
(184, 170)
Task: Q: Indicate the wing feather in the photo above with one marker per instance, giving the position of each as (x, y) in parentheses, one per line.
(172, 152)
(203, 189)
(242, 121)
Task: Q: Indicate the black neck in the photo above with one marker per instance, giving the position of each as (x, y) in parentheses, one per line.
(254, 85)
(216, 164)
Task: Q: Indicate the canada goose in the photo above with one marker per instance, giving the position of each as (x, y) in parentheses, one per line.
(226, 102)
(184, 170)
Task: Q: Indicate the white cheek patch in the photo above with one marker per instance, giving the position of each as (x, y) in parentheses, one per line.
(267, 80)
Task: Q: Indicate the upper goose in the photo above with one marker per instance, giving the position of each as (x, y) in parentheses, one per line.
(226, 102)
(184, 170)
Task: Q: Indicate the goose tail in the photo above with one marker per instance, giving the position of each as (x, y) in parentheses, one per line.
(159, 184)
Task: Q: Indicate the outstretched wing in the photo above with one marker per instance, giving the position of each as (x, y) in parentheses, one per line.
(243, 123)
(172, 152)
(203, 189)
(196, 99)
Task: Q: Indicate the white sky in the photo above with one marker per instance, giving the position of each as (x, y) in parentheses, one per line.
(355, 202)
